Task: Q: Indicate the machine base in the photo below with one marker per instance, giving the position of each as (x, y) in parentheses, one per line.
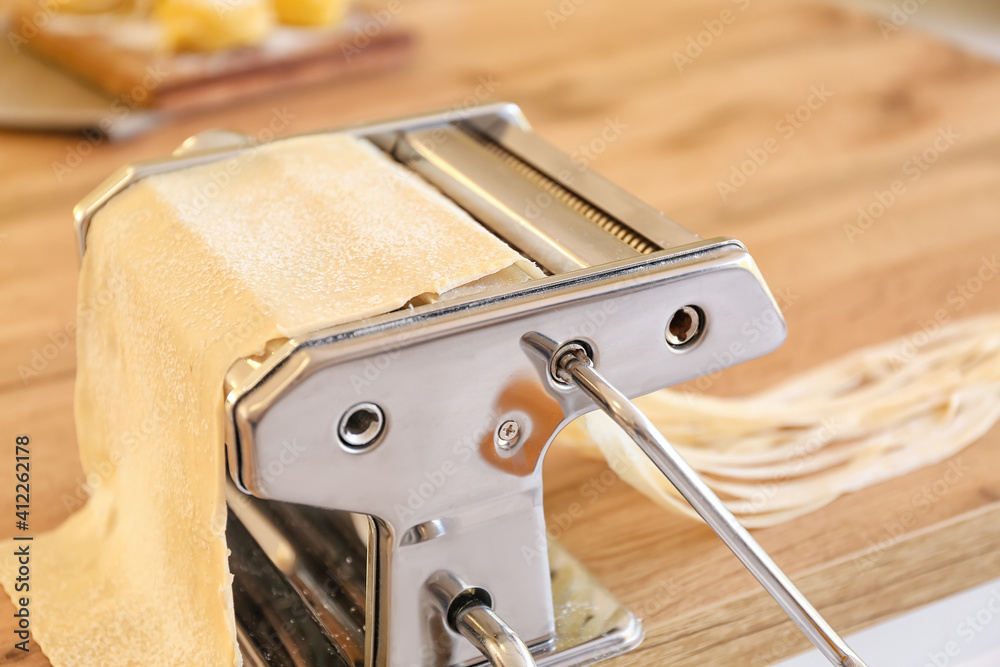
(301, 603)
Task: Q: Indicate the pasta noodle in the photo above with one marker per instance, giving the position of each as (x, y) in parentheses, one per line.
(867, 417)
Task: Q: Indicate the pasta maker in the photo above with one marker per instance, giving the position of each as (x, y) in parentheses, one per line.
(385, 505)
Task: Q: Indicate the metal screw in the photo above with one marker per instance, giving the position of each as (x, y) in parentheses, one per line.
(361, 426)
(685, 327)
(508, 435)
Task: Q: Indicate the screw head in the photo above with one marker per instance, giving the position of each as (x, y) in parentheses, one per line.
(508, 435)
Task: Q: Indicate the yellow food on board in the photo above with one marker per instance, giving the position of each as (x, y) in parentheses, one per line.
(311, 12)
(87, 6)
(214, 25)
(205, 25)
(175, 286)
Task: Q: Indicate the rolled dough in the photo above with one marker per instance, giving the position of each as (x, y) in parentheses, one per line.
(185, 273)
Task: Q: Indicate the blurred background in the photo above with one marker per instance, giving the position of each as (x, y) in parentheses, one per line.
(971, 24)
(852, 145)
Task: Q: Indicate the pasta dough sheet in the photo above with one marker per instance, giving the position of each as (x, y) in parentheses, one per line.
(185, 273)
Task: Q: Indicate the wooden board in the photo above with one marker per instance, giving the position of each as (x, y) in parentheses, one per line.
(603, 84)
(140, 78)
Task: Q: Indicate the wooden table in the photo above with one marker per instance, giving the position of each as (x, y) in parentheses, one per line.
(583, 69)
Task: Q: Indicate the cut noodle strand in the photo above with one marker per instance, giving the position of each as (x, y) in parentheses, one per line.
(864, 418)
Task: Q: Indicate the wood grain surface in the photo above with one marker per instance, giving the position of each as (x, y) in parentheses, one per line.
(185, 82)
(601, 80)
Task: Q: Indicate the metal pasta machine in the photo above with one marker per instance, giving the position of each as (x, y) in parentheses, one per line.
(408, 529)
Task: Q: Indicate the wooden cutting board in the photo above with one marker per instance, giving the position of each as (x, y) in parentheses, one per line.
(602, 81)
(137, 77)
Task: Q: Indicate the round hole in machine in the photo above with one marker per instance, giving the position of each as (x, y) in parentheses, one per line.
(685, 327)
(361, 427)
